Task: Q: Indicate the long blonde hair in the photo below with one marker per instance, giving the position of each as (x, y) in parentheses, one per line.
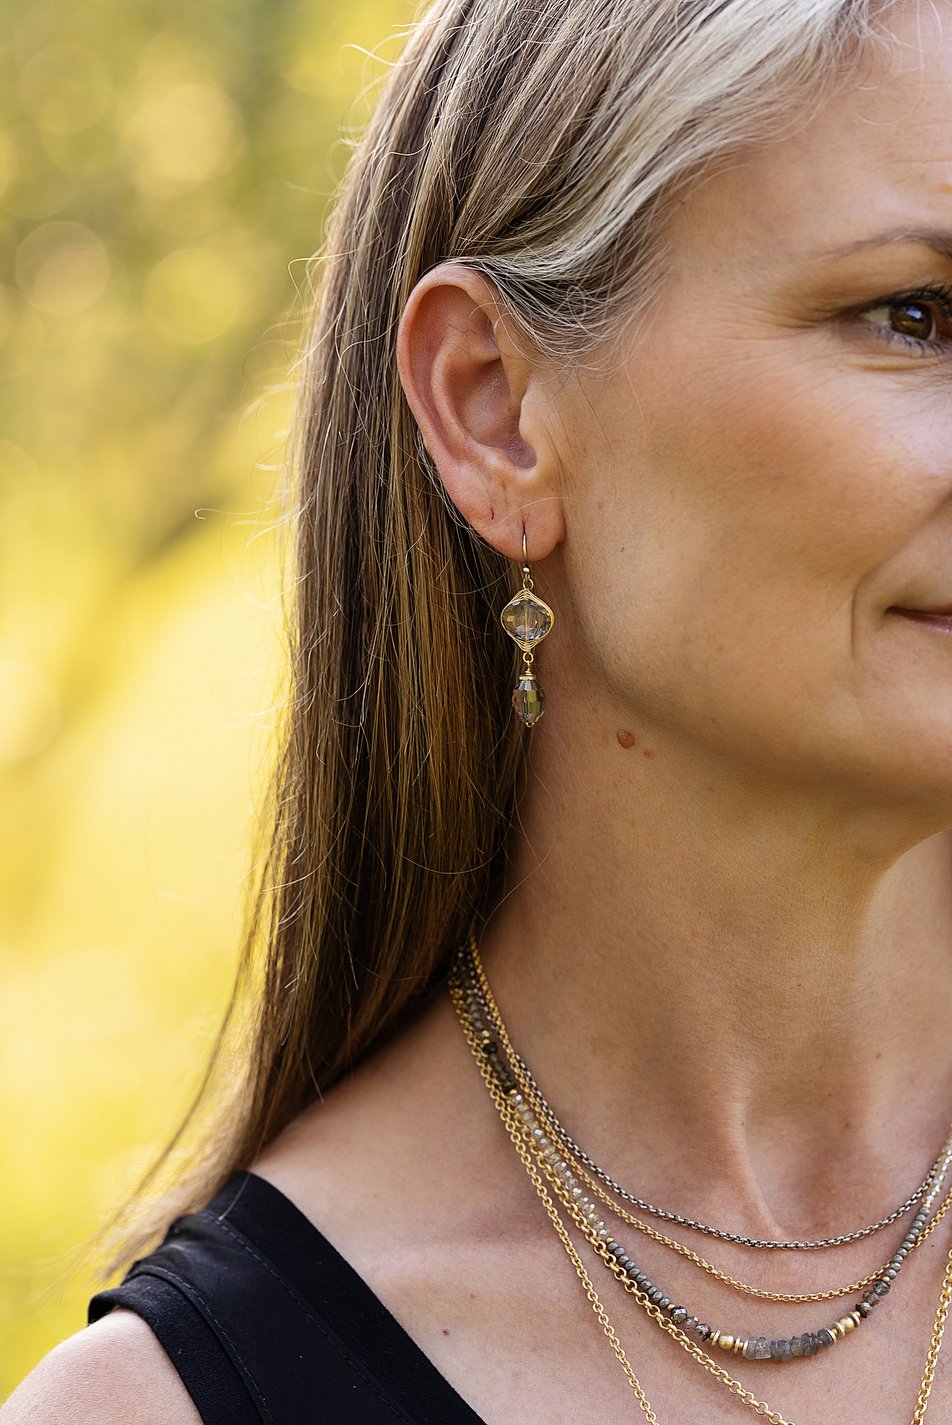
(540, 142)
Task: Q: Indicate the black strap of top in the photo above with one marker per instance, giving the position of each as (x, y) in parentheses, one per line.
(191, 1343)
(265, 1321)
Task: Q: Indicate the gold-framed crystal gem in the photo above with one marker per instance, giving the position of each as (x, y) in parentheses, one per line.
(527, 619)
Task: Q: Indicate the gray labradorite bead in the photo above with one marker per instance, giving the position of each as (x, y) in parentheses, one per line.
(780, 1351)
(881, 1288)
(826, 1337)
(864, 1308)
(679, 1315)
(796, 1346)
(757, 1349)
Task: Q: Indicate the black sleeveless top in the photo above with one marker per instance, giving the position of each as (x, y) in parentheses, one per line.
(265, 1321)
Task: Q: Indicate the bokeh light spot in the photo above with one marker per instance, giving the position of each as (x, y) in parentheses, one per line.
(194, 295)
(183, 134)
(33, 188)
(29, 710)
(62, 268)
(65, 88)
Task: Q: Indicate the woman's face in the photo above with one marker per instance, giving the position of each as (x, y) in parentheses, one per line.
(766, 482)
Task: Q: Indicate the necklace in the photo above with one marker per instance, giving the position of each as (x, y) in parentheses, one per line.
(760, 1292)
(493, 1033)
(550, 1165)
(484, 1007)
(480, 986)
(725, 1236)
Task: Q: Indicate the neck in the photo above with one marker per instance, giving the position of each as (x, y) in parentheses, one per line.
(738, 1009)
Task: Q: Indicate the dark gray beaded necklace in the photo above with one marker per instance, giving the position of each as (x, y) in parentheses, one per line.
(468, 967)
(760, 1348)
(487, 1026)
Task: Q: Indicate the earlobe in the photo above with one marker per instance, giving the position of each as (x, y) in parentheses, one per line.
(469, 387)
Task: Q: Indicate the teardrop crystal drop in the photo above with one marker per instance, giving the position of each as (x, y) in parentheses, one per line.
(528, 699)
(527, 619)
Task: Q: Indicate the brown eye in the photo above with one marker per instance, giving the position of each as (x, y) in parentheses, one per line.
(916, 318)
(912, 319)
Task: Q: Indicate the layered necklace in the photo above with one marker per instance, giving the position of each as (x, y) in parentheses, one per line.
(574, 1189)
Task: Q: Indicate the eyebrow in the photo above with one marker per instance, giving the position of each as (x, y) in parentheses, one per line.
(939, 239)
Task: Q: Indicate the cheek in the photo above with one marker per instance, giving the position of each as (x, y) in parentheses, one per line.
(787, 481)
(738, 522)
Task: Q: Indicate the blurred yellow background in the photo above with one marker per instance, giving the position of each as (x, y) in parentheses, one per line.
(164, 174)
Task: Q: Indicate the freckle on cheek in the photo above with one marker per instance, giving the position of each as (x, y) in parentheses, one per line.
(625, 738)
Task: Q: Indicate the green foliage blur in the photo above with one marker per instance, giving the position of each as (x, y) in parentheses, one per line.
(164, 175)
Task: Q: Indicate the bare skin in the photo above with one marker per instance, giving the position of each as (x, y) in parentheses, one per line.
(113, 1373)
(725, 943)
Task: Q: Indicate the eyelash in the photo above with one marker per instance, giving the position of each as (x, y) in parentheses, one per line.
(940, 295)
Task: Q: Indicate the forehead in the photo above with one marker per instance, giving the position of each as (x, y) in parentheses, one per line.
(876, 155)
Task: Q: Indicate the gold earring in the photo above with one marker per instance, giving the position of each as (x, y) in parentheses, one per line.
(527, 619)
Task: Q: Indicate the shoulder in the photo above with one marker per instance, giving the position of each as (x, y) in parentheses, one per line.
(112, 1373)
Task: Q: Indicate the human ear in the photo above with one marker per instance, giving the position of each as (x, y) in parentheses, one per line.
(477, 398)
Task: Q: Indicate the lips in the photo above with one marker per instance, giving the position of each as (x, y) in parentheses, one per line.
(939, 617)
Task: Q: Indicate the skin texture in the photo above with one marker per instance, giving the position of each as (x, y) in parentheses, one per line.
(725, 944)
(113, 1373)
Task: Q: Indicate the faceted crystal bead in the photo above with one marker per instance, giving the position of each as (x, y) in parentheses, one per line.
(527, 699)
(527, 619)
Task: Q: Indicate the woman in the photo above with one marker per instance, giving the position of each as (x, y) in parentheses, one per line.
(646, 308)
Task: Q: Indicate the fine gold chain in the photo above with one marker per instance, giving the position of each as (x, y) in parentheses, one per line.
(527, 1088)
(584, 1161)
(568, 1142)
(530, 1090)
(582, 1274)
(932, 1358)
(758, 1406)
(759, 1292)
(518, 1133)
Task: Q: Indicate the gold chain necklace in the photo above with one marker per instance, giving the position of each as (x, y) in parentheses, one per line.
(595, 1188)
(759, 1292)
(538, 1167)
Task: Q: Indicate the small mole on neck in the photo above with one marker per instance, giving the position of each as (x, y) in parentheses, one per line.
(625, 738)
